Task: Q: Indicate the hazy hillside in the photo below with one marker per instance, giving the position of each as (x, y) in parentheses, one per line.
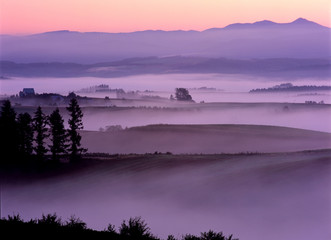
(281, 67)
(299, 39)
(264, 196)
(207, 139)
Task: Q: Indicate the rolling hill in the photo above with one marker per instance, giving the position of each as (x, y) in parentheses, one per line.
(206, 139)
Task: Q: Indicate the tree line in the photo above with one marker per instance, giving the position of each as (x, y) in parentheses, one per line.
(25, 137)
(51, 225)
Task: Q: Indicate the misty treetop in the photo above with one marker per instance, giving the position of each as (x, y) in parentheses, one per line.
(182, 94)
(23, 137)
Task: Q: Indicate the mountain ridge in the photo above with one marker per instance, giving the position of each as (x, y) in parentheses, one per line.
(263, 39)
(285, 68)
(262, 23)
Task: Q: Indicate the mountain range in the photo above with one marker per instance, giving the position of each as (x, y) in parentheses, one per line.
(239, 48)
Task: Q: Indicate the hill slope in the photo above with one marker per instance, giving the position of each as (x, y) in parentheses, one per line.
(207, 139)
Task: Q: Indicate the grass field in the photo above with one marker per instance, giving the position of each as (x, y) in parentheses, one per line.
(206, 139)
(254, 196)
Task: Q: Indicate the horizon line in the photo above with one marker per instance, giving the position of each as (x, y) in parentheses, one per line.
(159, 30)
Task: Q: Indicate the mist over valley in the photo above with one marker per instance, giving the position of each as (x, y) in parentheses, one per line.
(226, 129)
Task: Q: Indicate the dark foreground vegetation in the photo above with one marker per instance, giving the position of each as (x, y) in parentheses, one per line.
(24, 137)
(52, 225)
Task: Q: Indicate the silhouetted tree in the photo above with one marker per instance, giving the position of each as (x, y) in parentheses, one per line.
(58, 135)
(40, 128)
(190, 237)
(135, 228)
(210, 235)
(25, 135)
(71, 95)
(182, 94)
(75, 124)
(50, 220)
(9, 134)
(171, 237)
(52, 225)
(74, 223)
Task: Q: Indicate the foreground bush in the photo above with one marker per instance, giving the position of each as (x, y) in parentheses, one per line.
(51, 226)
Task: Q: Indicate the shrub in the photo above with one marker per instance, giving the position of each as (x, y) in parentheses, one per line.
(51, 220)
(75, 223)
(135, 228)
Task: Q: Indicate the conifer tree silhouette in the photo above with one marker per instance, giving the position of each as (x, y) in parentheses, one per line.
(40, 127)
(75, 124)
(9, 134)
(25, 135)
(58, 135)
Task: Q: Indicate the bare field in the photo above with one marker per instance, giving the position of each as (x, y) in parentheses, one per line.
(131, 113)
(254, 196)
(206, 139)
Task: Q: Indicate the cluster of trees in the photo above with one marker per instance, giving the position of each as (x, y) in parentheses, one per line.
(133, 229)
(24, 137)
(289, 87)
(181, 94)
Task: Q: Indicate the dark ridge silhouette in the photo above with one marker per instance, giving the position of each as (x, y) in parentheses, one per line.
(52, 226)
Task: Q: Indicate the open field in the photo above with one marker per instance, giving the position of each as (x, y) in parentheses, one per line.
(206, 139)
(130, 113)
(254, 169)
(189, 125)
(254, 196)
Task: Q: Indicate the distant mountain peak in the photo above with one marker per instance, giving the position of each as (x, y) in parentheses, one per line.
(301, 20)
(269, 24)
(58, 31)
(264, 22)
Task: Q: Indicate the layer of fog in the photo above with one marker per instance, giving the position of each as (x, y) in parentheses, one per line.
(254, 197)
(305, 118)
(226, 88)
(206, 139)
(161, 83)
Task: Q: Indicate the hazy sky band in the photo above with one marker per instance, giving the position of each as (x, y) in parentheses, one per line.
(35, 16)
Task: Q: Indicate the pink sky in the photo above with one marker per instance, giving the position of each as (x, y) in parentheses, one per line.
(35, 16)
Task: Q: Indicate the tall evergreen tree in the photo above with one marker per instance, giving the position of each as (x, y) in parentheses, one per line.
(40, 128)
(58, 135)
(8, 130)
(25, 135)
(75, 124)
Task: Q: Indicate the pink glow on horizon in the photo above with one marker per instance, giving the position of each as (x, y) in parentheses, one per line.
(35, 16)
